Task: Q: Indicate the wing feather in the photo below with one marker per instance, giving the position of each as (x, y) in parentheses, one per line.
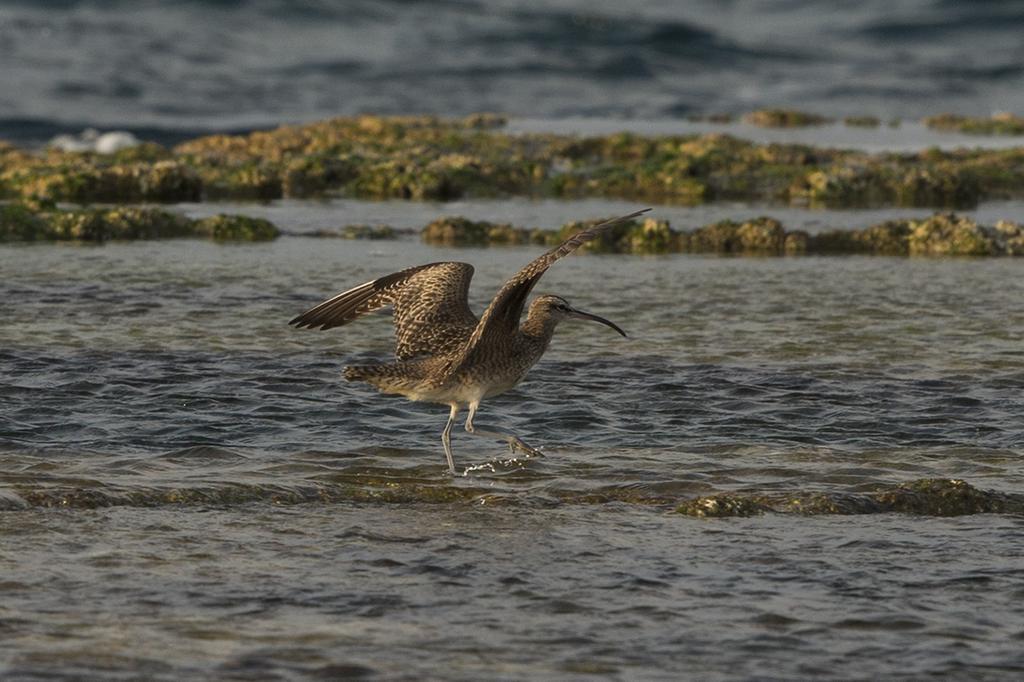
(431, 308)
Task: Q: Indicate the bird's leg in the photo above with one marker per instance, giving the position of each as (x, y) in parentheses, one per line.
(514, 442)
(446, 438)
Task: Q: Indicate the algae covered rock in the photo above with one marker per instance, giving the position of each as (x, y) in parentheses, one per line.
(784, 118)
(1003, 123)
(81, 181)
(725, 505)
(368, 232)
(937, 185)
(99, 224)
(758, 236)
(842, 186)
(45, 221)
(355, 232)
(652, 236)
(942, 497)
(456, 231)
(257, 180)
(889, 238)
(318, 174)
(947, 234)
(224, 227)
(796, 243)
(1011, 236)
(433, 159)
(19, 223)
(761, 235)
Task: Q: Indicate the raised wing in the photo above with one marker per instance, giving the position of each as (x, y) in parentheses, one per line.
(502, 316)
(431, 308)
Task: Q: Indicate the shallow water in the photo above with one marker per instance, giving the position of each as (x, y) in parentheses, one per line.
(189, 489)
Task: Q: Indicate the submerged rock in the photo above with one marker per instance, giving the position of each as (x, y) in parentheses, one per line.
(1003, 123)
(368, 232)
(236, 228)
(923, 497)
(719, 506)
(784, 118)
(945, 497)
(19, 222)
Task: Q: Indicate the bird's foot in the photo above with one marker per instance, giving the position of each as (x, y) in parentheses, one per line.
(515, 444)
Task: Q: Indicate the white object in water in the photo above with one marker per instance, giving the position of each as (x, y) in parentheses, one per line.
(108, 143)
(91, 140)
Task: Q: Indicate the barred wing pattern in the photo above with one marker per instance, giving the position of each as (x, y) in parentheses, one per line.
(501, 319)
(431, 308)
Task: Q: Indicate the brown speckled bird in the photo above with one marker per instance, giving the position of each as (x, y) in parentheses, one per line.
(445, 354)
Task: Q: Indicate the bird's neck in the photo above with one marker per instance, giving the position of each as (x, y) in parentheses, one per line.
(538, 328)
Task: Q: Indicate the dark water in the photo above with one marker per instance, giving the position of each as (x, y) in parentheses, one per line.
(188, 489)
(172, 69)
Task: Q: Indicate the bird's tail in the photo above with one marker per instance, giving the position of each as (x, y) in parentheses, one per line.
(365, 372)
(403, 378)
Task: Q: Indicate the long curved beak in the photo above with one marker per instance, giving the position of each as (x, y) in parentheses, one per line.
(596, 318)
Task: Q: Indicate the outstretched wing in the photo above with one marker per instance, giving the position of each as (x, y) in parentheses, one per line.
(431, 308)
(501, 318)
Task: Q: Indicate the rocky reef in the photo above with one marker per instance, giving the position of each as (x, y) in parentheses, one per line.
(922, 497)
(942, 234)
(427, 158)
(998, 124)
(784, 118)
(21, 222)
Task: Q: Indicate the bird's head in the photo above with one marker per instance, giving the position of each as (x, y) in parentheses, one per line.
(555, 309)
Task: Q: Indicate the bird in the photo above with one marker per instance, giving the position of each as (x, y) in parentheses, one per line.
(444, 354)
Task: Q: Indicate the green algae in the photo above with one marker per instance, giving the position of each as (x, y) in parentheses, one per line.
(223, 227)
(98, 224)
(942, 234)
(20, 222)
(998, 124)
(433, 159)
(91, 179)
(460, 231)
(784, 118)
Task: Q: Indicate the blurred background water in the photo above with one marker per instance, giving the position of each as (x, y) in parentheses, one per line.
(178, 68)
